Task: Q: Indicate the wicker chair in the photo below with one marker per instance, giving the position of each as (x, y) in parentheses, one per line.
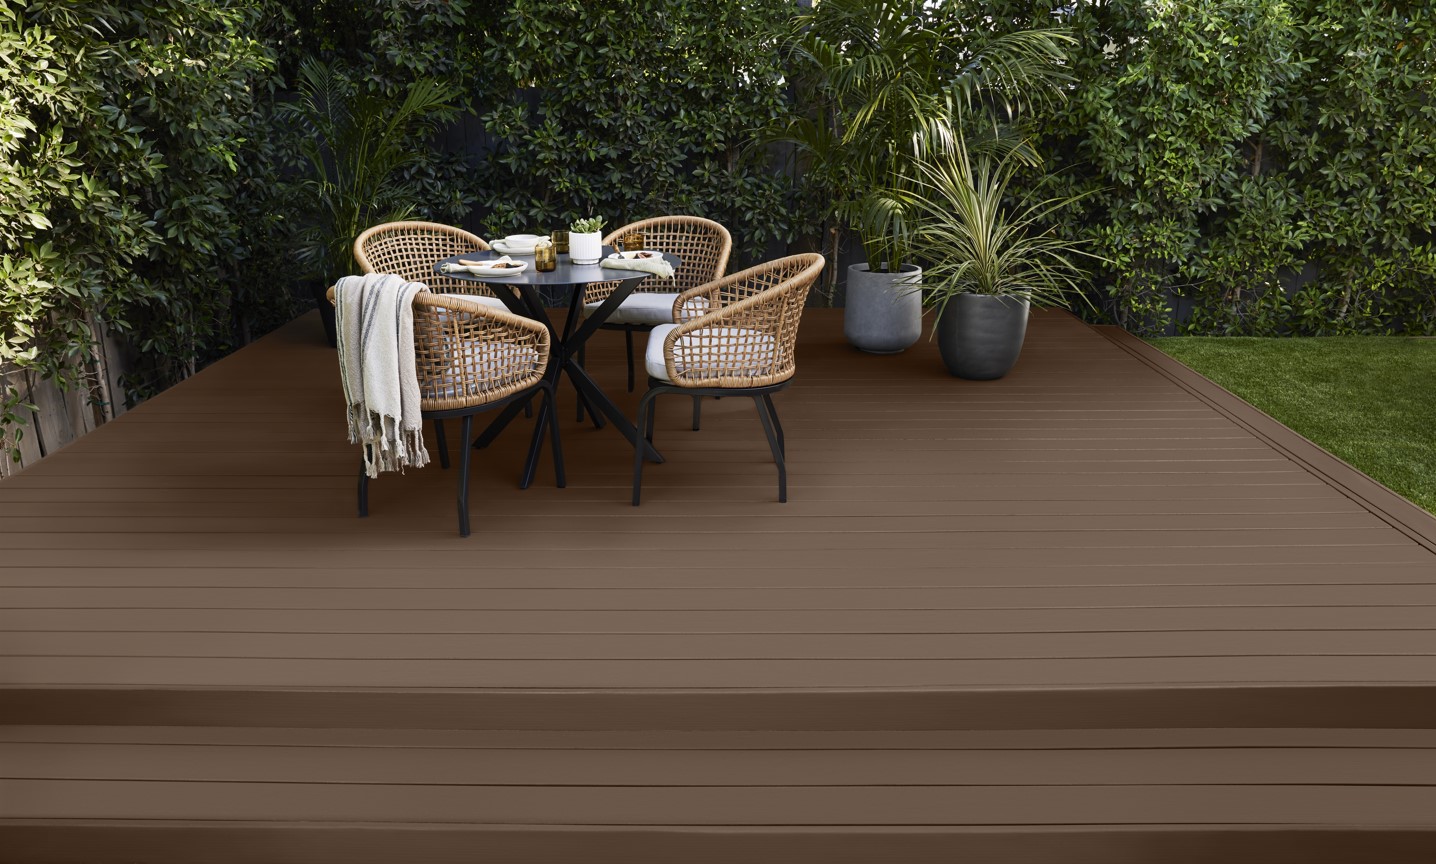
(470, 358)
(703, 247)
(411, 249)
(734, 337)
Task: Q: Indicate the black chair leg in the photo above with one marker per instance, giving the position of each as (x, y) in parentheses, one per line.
(363, 488)
(442, 443)
(464, 477)
(560, 479)
(652, 418)
(777, 424)
(774, 446)
(643, 414)
(628, 339)
(697, 411)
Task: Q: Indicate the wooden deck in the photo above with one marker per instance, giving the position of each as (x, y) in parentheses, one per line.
(1096, 611)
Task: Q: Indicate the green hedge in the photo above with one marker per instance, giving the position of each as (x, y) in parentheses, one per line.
(1264, 166)
(124, 144)
(1261, 166)
(635, 108)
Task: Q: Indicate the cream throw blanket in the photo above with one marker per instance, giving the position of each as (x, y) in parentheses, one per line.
(374, 319)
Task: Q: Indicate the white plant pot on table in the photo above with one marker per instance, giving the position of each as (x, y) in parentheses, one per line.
(585, 248)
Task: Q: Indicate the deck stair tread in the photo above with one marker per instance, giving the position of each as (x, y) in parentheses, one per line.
(1163, 776)
(69, 790)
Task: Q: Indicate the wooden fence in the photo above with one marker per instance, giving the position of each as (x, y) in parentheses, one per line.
(58, 414)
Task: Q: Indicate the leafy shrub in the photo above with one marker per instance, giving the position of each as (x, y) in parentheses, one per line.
(382, 50)
(356, 144)
(1259, 166)
(632, 109)
(121, 135)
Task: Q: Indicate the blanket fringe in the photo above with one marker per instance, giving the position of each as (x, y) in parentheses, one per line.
(386, 447)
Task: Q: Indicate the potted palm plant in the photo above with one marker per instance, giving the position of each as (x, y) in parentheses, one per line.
(355, 146)
(889, 82)
(990, 259)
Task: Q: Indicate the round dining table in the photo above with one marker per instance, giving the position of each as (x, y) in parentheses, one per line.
(526, 298)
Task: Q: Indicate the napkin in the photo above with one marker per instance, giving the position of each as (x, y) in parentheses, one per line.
(655, 265)
(487, 268)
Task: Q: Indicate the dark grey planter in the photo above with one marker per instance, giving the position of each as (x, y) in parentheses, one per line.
(883, 311)
(980, 335)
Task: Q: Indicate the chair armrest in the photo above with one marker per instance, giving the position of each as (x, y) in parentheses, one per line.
(505, 323)
(741, 330)
(735, 345)
(715, 295)
(517, 326)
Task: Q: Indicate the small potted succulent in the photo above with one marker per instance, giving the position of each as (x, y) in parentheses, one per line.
(989, 261)
(585, 242)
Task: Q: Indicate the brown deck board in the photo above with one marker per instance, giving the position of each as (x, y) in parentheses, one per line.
(283, 774)
(1210, 620)
(1099, 519)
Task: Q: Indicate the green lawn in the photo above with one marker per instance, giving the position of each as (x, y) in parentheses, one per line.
(1369, 400)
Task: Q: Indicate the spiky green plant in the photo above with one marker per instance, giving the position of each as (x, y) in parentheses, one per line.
(355, 146)
(976, 240)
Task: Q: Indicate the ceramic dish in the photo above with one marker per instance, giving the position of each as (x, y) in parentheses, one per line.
(504, 266)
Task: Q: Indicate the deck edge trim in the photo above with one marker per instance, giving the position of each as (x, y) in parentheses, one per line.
(1377, 498)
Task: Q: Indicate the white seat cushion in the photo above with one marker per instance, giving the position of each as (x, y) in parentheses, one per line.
(487, 300)
(648, 308)
(758, 348)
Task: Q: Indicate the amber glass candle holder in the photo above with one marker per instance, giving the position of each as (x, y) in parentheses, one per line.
(560, 242)
(545, 256)
(633, 242)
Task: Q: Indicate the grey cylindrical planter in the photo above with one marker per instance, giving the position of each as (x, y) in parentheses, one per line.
(980, 335)
(883, 311)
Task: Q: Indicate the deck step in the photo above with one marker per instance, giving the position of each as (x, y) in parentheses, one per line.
(249, 795)
(1276, 704)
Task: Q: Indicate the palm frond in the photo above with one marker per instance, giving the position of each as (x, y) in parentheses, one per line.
(904, 80)
(356, 146)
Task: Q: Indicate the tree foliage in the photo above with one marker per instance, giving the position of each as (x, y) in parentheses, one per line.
(884, 85)
(1244, 166)
(1257, 166)
(631, 108)
(122, 132)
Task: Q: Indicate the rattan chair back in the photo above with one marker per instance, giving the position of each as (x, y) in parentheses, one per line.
(702, 246)
(411, 249)
(742, 330)
(468, 354)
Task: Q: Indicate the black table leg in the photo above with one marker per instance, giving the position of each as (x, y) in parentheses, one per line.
(524, 299)
(498, 424)
(536, 443)
(596, 399)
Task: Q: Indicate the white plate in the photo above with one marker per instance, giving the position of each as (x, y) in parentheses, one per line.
(522, 239)
(501, 271)
(485, 268)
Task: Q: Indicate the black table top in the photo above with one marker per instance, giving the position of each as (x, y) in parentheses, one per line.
(565, 275)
